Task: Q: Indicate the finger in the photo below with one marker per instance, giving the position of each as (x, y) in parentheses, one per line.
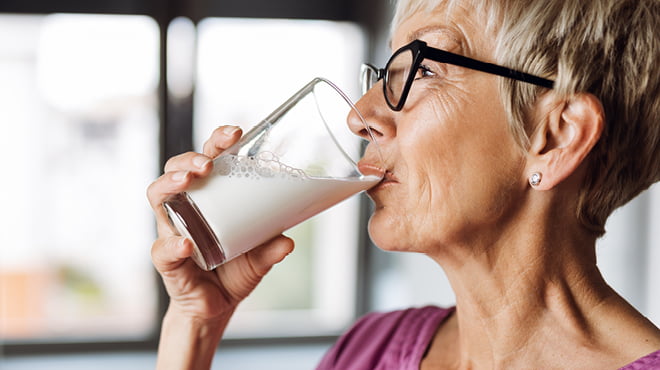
(168, 184)
(222, 138)
(170, 252)
(160, 190)
(197, 163)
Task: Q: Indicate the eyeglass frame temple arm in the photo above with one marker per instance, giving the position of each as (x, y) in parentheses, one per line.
(463, 61)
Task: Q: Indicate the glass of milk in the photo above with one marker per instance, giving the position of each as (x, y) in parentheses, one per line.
(300, 160)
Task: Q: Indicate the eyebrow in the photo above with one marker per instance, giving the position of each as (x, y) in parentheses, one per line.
(415, 35)
(434, 29)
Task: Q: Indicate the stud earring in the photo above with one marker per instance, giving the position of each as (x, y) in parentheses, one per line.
(535, 179)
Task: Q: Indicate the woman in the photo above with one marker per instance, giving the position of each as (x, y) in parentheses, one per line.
(505, 182)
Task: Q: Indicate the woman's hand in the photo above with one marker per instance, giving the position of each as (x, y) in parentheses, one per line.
(195, 293)
(201, 302)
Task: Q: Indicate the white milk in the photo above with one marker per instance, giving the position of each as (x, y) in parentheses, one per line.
(247, 202)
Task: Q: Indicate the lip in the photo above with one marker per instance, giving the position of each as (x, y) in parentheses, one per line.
(388, 180)
(369, 169)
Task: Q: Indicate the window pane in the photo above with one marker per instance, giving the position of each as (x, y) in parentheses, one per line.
(628, 253)
(78, 132)
(240, 80)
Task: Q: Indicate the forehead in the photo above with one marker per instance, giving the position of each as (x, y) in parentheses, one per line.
(457, 23)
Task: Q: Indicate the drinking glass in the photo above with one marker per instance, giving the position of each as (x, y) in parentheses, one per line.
(300, 160)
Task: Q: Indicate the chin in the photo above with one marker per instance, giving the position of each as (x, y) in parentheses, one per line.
(383, 232)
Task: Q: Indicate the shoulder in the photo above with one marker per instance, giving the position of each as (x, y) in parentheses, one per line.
(411, 320)
(648, 362)
(395, 339)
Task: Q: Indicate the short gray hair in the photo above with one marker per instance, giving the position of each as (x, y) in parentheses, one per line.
(608, 48)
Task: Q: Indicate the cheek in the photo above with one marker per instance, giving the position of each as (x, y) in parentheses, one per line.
(411, 208)
(463, 166)
(431, 157)
(458, 165)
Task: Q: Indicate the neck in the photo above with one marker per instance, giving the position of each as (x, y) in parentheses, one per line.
(524, 291)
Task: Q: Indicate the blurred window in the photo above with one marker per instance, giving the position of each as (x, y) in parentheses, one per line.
(80, 129)
(79, 143)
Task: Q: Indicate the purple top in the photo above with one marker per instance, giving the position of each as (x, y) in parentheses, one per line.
(399, 339)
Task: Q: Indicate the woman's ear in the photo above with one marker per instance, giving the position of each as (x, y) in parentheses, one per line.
(567, 132)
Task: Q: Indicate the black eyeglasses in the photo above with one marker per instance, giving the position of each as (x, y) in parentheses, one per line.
(400, 71)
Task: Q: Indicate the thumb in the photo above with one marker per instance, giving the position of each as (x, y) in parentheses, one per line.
(265, 256)
(241, 275)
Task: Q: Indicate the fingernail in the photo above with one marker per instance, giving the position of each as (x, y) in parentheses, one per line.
(200, 161)
(179, 175)
(230, 130)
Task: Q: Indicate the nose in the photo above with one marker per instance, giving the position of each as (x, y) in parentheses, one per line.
(376, 113)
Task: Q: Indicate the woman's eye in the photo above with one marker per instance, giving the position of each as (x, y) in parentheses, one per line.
(423, 72)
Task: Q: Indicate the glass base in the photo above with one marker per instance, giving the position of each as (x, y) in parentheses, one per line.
(189, 222)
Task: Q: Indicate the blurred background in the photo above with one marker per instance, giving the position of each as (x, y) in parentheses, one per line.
(95, 96)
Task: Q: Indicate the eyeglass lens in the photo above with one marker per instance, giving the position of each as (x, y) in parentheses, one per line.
(368, 78)
(396, 75)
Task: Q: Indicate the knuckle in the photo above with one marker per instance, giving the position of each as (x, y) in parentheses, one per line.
(152, 191)
(178, 160)
(155, 248)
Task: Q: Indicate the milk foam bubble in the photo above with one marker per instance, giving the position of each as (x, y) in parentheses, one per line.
(263, 165)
